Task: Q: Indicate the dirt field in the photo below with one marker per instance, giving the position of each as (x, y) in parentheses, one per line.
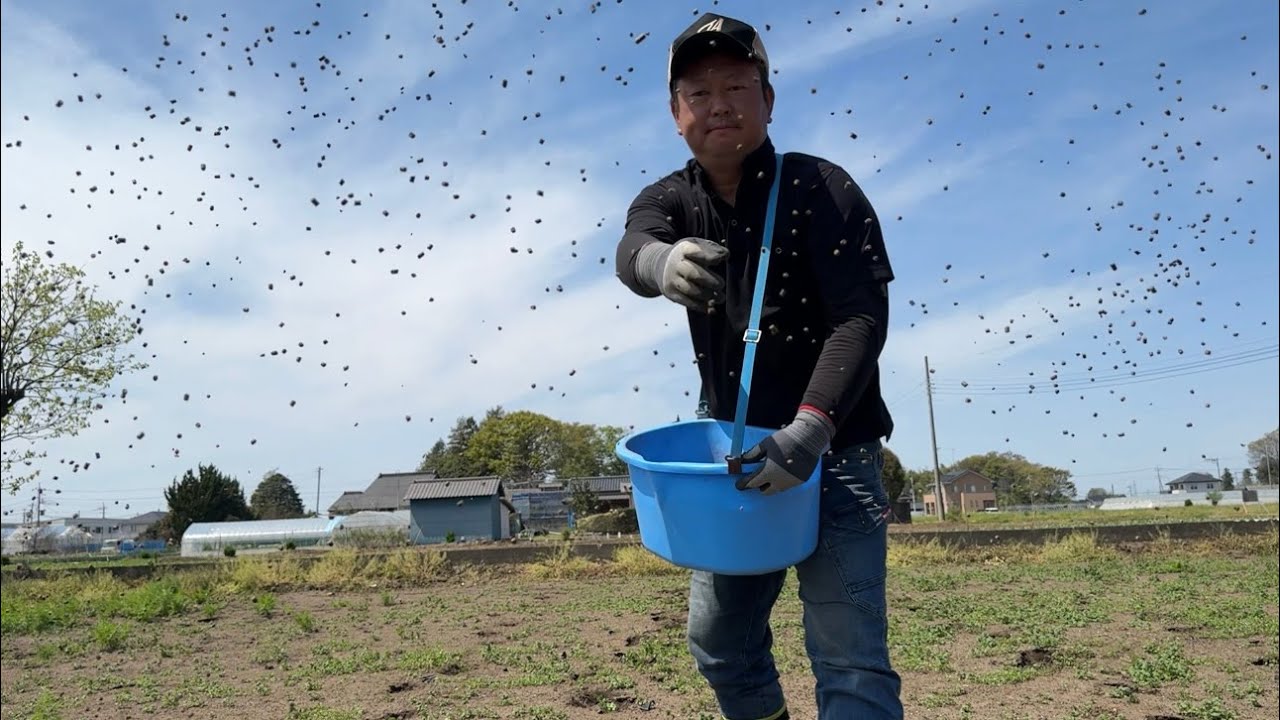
(1071, 630)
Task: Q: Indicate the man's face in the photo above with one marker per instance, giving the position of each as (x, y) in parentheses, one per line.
(720, 108)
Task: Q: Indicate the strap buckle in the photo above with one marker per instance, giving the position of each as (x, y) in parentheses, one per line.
(751, 335)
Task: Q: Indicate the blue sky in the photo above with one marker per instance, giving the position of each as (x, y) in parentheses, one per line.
(1005, 194)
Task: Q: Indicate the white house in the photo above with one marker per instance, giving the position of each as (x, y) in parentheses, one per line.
(1194, 482)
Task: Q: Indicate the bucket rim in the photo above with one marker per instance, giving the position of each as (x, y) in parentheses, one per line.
(635, 460)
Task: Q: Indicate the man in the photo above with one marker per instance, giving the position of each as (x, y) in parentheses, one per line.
(694, 237)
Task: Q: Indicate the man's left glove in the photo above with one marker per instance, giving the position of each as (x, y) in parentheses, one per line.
(790, 454)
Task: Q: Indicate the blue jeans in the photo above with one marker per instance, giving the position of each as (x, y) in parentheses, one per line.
(842, 588)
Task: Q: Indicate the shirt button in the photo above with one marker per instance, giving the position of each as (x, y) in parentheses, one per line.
(733, 223)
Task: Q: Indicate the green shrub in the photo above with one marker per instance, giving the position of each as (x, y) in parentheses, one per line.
(229, 551)
(265, 604)
(110, 636)
(306, 623)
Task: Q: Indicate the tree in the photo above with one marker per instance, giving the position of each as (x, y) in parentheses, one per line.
(450, 459)
(893, 475)
(921, 481)
(1018, 480)
(525, 447)
(276, 498)
(582, 501)
(1228, 480)
(207, 495)
(585, 450)
(1262, 456)
(1246, 477)
(519, 447)
(59, 350)
(1097, 495)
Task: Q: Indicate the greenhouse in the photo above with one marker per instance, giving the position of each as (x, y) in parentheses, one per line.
(213, 538)
(49, 539)
(372, 528)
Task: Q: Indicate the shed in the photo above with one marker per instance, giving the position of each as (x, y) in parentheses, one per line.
(464, 508)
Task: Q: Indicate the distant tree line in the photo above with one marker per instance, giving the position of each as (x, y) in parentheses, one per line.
(524, 448)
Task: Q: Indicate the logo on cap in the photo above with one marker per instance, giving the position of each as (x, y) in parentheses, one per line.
(714, 26)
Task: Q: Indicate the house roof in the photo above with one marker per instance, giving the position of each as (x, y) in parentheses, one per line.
(89, 520)
(951, 477)
(386, 492)
(600, 484)
(607, 483)
(449, 488)
(1193, 477)
(148, 517)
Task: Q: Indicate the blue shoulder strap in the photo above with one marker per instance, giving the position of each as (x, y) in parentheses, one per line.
(752, 335)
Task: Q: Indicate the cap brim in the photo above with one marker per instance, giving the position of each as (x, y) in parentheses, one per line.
(701, 44)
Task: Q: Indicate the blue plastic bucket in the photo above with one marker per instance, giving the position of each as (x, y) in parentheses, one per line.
(691, 514)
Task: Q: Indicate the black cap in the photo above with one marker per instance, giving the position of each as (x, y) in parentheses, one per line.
(720, 32)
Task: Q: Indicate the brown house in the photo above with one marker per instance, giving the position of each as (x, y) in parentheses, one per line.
(964, 490)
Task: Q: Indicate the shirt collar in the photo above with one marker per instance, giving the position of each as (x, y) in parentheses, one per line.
(758, 161)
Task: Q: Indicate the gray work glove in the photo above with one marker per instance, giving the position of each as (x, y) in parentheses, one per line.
(679, 271)
(790, 455)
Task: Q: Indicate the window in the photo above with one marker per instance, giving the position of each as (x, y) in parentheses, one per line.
(973, 488)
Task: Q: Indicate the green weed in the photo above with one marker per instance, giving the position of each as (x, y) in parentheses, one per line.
(431, 660)
(110, 636)
(1163, 663)
(1210, 709)
(264, 604)
(305, 622)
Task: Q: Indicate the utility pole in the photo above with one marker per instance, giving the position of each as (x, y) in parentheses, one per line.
(1159, 481)
(318, 491)
(1217, 465)
(933, 436)
(39, 494)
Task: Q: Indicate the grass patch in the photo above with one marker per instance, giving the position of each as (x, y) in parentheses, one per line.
(46, 706)
(110, 636)
(305, 621)
(563, 564)
(1210, 709)
(320, 712)
(908, 552)
(633, 560)
(434, 660)
(1163, 662)
(264, 604)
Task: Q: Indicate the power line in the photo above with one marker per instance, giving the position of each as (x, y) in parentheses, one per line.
(1228, 352)
(1056, 388)
(1063, 379)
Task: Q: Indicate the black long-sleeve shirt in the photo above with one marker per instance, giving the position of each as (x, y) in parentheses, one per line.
(826, 305)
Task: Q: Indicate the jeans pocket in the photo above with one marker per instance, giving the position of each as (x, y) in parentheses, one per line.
(854, 498)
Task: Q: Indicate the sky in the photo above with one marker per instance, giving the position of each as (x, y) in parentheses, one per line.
(345, 226)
